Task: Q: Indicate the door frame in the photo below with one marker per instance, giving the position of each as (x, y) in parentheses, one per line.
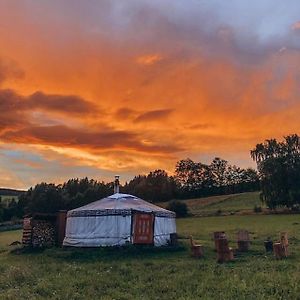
(137, 212)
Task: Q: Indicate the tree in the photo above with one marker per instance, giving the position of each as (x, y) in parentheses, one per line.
(45, 198)
(279, 170)
(157, 186)
(179, 207)
(193, 178)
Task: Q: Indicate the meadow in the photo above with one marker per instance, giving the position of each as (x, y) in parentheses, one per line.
(160, 273)
(232, 204)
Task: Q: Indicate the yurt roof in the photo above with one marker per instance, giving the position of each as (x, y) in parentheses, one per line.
(119, 204)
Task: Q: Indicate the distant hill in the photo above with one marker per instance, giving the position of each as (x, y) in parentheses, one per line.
(242, 203)
(10, 192)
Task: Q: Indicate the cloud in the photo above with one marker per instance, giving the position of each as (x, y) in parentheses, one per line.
(17, 110)
(296, 26)
(153, 115)
(9, 69)
(125, 113)
(148, 60)
(224, 74)
(63, 136)
(60, 103)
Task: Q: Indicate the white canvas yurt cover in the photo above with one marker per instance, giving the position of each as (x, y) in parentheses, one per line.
(118, 220)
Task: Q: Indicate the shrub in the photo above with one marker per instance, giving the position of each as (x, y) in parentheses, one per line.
(179, 208)
(257, 209)
(218, 212)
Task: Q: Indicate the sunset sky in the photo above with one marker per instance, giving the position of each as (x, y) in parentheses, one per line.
(97, 88)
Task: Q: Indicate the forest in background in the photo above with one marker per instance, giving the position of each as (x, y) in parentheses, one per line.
(191, 179)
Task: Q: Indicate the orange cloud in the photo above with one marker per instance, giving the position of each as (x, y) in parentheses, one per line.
(148, 60)
(102, 94)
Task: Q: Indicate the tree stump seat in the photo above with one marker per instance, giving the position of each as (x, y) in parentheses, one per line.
(224, 252)
(243, 240)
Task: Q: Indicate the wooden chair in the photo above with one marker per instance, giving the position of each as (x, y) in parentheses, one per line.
(197, 249)
(219, 235)
(281, 246)
(243, 240)
(224, 252)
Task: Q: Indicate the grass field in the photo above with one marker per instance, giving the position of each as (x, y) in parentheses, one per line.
(225, 204)
(146, 273)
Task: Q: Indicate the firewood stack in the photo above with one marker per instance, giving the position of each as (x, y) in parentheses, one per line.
(43, 234)
(27, 232)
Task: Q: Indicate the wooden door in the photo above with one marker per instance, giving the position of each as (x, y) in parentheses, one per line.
(143, 228)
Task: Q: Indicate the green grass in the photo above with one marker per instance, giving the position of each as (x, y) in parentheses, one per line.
(224, 204)
(146, 273)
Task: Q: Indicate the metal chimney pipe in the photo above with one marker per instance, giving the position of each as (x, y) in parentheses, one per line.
(117, 184)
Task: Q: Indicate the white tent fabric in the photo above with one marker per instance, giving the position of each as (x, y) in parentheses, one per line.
(108, 222)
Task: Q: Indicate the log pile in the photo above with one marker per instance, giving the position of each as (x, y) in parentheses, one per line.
(43, 234)
(42, 230)
(27, 232)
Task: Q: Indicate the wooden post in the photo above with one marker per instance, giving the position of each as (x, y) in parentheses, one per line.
(225, 253)
(27, 232)
(61, 226)
(197, 250)
(243, 246)
(243, 240)
(279, 250)
(268, 245)
(285, 242)
(173, 239)
(218, 235)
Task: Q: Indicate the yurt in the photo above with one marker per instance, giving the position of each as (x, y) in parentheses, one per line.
(117, 220)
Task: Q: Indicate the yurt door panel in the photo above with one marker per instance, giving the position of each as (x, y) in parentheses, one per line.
(143, 227)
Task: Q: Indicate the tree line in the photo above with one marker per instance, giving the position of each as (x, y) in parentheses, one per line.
(277, 176)
(191, 179)
(278, 164)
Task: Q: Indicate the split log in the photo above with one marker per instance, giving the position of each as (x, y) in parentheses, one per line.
(43, 234)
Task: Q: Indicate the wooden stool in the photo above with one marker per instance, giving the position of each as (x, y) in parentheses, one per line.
(279, 250)
(219, 235)
(197, 250)
(268, 245)
(284, 241)
(224, 252)
(173, 239)
(243, 240)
